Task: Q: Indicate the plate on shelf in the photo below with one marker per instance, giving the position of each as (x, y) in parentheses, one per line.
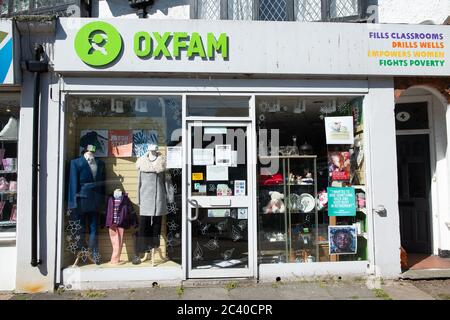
(307, 203)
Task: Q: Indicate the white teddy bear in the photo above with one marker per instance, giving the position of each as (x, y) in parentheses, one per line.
(276, 204)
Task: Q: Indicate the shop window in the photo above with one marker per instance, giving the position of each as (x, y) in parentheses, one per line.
(411, 116)
(311, 180)
(273, 10)
(218, 106)
(10, 8)
(308, 10)
(9, 124)
(240, 9)
(123, 181)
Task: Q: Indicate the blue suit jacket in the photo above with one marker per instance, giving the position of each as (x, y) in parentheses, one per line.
(86, 193)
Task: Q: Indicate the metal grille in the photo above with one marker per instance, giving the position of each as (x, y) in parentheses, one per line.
(343, 8)
(209, 9)
(240, 9)
(308, 10)
(272, 10)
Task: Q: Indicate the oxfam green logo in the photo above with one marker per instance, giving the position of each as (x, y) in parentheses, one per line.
(98, 44)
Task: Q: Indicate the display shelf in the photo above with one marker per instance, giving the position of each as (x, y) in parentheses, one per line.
(8, 192)
(6, 172)
(360, 187)
(363, 210)
(8, 140)
(293, 246)
(7, 223)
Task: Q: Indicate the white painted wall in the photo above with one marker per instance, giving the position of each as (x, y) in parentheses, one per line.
(37, 279)
(8, 257)
(383, 175)
(162, 9)
(413, 11)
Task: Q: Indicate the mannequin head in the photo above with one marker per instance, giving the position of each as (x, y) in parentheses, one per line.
(90, 150)
(153, 148)
(117, 193)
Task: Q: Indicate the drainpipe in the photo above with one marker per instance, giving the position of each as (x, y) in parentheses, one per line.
(36, 66)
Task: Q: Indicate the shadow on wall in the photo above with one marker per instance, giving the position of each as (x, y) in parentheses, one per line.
(122, 8)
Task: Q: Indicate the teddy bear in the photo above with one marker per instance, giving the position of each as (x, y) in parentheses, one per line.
(276, 204)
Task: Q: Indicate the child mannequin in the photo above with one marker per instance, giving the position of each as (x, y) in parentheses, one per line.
(119, 216)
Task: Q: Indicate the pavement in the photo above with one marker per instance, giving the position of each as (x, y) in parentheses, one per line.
(309, 289)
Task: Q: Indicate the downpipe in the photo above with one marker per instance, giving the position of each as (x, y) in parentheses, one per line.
(36, 66)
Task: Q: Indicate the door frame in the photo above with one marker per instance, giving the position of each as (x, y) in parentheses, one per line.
(433, 199)
(251, 217)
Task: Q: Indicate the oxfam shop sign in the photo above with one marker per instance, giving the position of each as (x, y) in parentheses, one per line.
(99, 44)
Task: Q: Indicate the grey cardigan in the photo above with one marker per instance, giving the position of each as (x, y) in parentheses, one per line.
(155, 188)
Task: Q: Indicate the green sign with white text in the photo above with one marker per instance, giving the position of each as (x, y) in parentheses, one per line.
(341, 201)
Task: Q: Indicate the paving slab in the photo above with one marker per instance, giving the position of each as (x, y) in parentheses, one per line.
(426, 274)
(405, 291)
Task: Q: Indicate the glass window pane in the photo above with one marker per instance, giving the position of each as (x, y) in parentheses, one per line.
(410, 116)
(240, 9)
(209, 9)
(297, 165)
(218, 106)
(4, 7)
(21, 5)
(308, 10)
(272, 10)
(220, 238)
(123, 130)
(343, 8)
(39, 4)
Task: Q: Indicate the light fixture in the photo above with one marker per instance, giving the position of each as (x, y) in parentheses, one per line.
(141, 5)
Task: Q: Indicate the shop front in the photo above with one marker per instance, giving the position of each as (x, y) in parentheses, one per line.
(209, 153)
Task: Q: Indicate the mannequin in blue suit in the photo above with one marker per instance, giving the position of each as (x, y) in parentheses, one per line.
(86, 196)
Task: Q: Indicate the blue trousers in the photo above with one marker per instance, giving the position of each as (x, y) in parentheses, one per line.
(89, 219)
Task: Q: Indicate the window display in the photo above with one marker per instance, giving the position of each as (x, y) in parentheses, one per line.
(9, 132)
(311, 197)
(122, 200)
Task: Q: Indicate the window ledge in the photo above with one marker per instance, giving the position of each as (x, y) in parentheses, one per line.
(6, 237)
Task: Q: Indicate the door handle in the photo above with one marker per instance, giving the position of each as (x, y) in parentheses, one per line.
(195, 203)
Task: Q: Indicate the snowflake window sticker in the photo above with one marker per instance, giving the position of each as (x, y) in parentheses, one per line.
(235, 235)
(172, 208)
(242, 225)
(212, 188)
(174, 188)
(212, 244)
(172, 225)
(173, 241)
(221, 226)
(227, 254)
(175, 172)
(198, 253)
(204, 228)
(72, 247)
(84, 254)
(73, 227)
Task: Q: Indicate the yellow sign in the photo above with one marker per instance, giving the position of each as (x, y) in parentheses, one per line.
(197, 176)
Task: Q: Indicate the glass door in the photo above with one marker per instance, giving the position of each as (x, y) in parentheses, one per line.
(219, 200)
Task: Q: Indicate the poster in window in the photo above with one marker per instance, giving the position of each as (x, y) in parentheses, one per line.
(142, 139)
(120, 143)
(223, 155)
(97, 138)
(339, 130)
(341, 202)
(339, 166)
(343, 239)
